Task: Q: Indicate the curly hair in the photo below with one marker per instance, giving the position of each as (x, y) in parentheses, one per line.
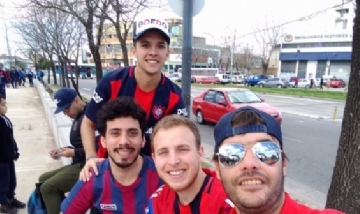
(119, 108)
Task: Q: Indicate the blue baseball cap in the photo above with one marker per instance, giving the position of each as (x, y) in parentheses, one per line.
(143, 25)
(224, 129)
(63, 98)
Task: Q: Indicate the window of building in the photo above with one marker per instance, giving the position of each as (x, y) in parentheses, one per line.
(340, 69)
(320, 69)
(317, 44)
(302, 69)
(287, 69)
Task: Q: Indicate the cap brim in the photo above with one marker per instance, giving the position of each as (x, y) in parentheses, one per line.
(59, 109)
(167, 37)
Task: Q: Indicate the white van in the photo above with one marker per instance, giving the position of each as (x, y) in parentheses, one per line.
(224, 78)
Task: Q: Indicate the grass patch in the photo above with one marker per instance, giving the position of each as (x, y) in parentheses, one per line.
(206, 165)
(299, 92)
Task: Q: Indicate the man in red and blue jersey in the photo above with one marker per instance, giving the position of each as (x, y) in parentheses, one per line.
(126, 179)
(251, 163)
(154, 92)
(189, 189)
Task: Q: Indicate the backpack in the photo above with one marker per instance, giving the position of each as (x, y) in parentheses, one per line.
(34, 205)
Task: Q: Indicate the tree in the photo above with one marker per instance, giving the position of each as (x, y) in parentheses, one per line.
(243, 58)
(56, 33)
(197, 56)
(84, 12)
(34, 28)
(344, 192)
(268, 40)
(122, 14)
(225, 56)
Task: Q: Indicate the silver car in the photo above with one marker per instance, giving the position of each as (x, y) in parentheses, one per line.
(275, 82)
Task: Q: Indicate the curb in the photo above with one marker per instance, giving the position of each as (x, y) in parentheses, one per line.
(59, 124)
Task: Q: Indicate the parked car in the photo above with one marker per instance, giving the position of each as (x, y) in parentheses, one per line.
(208, 80)
(274, 83)
(336, 83)
(255, 79)
(211, 105)
(237, 79)
(304, 83)
(175, 77)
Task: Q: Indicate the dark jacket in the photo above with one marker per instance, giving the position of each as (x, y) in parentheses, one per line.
(8, 147)
(75, 139)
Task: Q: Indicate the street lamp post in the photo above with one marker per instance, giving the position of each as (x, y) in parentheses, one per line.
(218, 56)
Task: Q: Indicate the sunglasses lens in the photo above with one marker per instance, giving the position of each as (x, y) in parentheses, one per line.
(267, 152)
(231, 154)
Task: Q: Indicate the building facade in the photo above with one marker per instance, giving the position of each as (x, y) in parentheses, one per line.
(320, 54)
(203, 55)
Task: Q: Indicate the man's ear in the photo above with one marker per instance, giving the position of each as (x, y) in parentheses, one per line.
(216, 165)
(102, 140)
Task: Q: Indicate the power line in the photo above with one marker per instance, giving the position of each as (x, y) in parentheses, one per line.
(304, 18)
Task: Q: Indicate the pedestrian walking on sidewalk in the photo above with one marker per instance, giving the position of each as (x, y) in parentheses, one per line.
(9, 153)
(3, 82)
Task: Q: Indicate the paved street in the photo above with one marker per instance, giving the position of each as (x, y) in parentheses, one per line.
(314, 108)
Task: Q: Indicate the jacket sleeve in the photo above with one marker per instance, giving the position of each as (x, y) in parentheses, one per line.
(80, 153)
(80, 199)
(3, 134)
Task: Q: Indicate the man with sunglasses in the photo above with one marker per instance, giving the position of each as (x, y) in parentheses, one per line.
(59, 181)
(251, 164)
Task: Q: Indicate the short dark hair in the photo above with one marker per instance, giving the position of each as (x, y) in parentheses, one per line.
(2, 96)
(120, 108)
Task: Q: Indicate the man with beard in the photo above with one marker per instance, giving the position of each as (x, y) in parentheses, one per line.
(189, 189)
(154, 92)
(126, 179)
(251, 164)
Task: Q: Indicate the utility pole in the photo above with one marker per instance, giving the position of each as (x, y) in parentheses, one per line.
(232, 54)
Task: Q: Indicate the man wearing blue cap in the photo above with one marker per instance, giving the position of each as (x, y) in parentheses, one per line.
(145, 82)
(59, 181)
(251, 163)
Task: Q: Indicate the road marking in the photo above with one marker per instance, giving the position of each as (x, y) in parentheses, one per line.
(87, 89)
(292, 139)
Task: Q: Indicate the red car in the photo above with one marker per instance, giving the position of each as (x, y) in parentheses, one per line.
(208, 80)
(211, 105)
(336, 83)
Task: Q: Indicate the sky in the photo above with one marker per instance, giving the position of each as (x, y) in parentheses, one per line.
(221, 18)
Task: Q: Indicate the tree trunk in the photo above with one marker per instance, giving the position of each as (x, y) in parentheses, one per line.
(48, 76)
(344, 192)
(94, 48)
(53, 71)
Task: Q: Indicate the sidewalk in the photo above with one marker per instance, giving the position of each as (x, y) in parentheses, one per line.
(33, 137)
